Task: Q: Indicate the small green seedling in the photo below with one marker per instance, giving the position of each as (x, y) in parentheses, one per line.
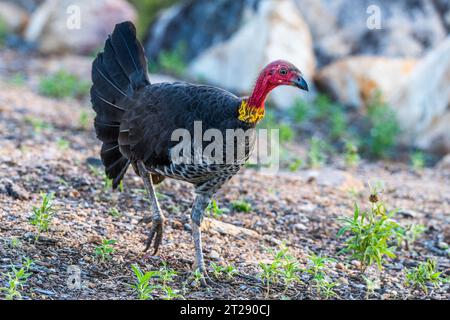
(83, 120)
(42, 216)
(351, 155)
(410, 234)
(218, 271)
(241, 206)
(114, 212)
(295, 165)
(63, 144)
(418, 161)
(105, 250)
(38, 125)
(16, 279)
(316, 154)
(214, 210)
(317, 267)
(142, 284)
(425, 274)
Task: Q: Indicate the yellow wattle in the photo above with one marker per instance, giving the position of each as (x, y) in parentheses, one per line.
(250, 114)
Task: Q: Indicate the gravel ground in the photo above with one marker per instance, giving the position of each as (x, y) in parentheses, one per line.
(299, 209)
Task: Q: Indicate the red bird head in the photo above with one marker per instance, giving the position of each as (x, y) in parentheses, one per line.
(281, 72)
(277, 73)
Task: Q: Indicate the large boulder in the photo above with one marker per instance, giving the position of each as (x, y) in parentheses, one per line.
(407, 28)
(422, 103)
(53, 26)
(275, 30)
(354, 80)
(14, 17)
(227, 42)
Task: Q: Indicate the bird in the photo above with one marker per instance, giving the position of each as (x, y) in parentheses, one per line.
(135, 121)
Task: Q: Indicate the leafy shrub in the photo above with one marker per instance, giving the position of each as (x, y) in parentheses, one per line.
(425, 273)
(371, 234)
(316, 153)
(42, 215)
(241, 206)
(383, 128)
(62, 84)
(105, 250)
(16, 279)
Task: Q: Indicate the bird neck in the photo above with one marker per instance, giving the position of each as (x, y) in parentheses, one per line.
(252, 109)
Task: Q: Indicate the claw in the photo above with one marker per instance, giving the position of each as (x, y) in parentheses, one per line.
(156, 233)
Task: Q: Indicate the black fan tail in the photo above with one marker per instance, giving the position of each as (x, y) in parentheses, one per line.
(117, 73)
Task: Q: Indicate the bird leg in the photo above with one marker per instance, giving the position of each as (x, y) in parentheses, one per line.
(198, 211)
(157, 218)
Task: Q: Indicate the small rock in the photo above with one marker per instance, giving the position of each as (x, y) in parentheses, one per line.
(13, 190)
(356, 263)
(340, 266)
(228, 229)
(443, 245)
(343, 280)
(408, 213)
(300, 227)
(214, 255)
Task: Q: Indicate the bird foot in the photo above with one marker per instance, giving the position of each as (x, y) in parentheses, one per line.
(206, 281)
(156, 233)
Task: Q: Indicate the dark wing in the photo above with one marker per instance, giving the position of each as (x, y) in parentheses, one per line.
(146, 129)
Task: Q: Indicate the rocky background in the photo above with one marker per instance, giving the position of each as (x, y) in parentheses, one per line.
(379, 108)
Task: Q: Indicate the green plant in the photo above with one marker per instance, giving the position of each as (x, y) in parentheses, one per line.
(241, 206)
(317, 267)
(383, 127)
(114, 212)
(142, 284)
(166, 274)
(423, 275)
(286, 132)
(351, 154)
(62, 84)
(417, 160)
(338, 123)
(15, 242)
(37, 124)
(371, 234)
(300, 111)
(218, 271)
(295, 165)
(170, 293)
(16, 279)
(63, 144)
(42, 215)
(18, 79)
(105, 250)
(410, 234)
(173, 61)
(83, 119)
(213, 208)
(3, 31)
(316, 153)
(283, 268)
(323, 107)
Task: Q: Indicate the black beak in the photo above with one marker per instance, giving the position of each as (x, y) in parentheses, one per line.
(300, 83)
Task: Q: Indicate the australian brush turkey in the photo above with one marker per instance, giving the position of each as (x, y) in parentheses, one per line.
(135, 121)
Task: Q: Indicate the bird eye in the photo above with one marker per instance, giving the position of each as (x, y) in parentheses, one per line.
(283, 71)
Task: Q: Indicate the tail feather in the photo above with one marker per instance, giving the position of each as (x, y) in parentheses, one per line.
(116, 74)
